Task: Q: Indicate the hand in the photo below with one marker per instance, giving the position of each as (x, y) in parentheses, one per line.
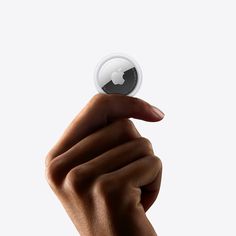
(104, 173)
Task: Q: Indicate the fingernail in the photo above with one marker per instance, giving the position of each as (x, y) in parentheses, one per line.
(157, 112)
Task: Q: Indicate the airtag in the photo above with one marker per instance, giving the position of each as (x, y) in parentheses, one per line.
(118, 73)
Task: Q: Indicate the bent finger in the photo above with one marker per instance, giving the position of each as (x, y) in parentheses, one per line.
(101, 110)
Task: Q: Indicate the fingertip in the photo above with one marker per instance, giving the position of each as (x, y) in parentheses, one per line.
(157, 113)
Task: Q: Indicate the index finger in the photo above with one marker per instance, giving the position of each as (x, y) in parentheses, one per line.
(101, 110)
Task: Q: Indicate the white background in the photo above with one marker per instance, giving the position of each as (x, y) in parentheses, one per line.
(187, 51)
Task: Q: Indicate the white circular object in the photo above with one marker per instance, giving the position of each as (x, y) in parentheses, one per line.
(119, 74)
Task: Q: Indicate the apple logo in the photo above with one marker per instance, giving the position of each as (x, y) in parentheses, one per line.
(117, 77)
(121, 82)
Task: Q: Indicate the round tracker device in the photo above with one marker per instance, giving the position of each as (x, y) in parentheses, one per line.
(118, 73)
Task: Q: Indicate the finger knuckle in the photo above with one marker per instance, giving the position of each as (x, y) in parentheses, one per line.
(126, 123)
(48, 159)
(105, 186)
(52, 173)
(78, 179)
(127, 128)
(110, 191)
(155, 162)
(146, 145)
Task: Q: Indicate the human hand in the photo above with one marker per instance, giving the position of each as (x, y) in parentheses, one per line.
(103, 172)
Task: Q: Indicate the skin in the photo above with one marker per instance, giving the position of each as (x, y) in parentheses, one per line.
(103, 171)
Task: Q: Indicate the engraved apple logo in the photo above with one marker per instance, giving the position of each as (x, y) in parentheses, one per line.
(117, 77)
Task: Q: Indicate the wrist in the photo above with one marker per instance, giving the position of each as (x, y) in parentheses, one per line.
(131, 222)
